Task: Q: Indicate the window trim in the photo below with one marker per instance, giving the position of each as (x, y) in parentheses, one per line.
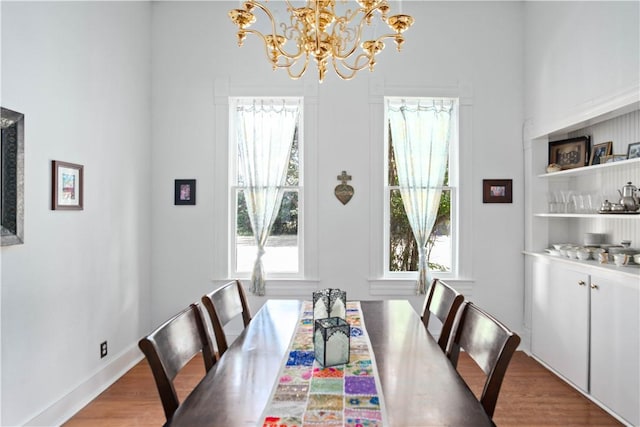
(452, 187)
(233, 188)
(223, 91)
(380, 283)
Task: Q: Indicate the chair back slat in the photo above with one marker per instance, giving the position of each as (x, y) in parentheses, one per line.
(171, 346)
(489, 343)
(443, 302)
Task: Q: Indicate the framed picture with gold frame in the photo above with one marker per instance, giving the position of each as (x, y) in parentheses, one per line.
(599, 151)
(612, 158)
(569, 153)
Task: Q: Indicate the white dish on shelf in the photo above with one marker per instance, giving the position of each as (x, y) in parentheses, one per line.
(584, 254)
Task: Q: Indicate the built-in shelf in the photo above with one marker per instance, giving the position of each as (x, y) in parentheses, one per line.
(591, 169)
(594, 215)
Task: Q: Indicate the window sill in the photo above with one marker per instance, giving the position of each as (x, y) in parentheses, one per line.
(280, 287)
(390, 286)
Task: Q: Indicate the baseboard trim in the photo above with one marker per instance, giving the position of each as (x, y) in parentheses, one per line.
(67, 406)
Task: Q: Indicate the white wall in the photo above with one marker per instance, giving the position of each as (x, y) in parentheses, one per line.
(79, 71)
(582, 59)
(478, 44)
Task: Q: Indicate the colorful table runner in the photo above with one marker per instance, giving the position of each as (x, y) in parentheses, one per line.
(307, 395)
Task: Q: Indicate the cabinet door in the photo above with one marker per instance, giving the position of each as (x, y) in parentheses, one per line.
(560, 321)
(615, 345)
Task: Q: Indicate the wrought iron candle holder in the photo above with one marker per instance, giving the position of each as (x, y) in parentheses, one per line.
(331, 341)
(329, 303)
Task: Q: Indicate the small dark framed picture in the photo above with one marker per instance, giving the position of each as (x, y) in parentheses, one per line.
(570, 153)
(633, 152)
(497, 191)
(67, 182)
(599, 151)
(185, 192)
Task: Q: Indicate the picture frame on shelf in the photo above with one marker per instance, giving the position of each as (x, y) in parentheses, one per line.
(67, 186)
(633, 152)
(570, 153)
(184, 192)
(612, 158)
(600, 150)
(497, 191)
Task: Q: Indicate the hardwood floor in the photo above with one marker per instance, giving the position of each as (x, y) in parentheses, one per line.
(530, 396)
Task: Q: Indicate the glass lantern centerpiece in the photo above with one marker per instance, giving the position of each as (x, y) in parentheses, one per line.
(331, 341)
(329, 303)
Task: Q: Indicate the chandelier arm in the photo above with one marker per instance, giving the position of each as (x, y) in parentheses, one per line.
(287, 61)
(274, 34)
(379, 7)
(344, 76)
(358, 31)
(302, 71)
(355, 67)
(397, 37)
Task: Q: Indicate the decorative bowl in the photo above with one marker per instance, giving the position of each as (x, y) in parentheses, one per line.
(553, 168)
(584, 254)
(553, 252)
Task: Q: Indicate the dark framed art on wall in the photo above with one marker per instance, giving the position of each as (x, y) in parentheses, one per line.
(497, 191)
(184, 192)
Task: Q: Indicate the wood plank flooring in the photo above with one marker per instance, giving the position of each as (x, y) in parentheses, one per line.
(530, 396)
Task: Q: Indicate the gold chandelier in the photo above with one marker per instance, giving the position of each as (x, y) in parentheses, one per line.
(315, 31)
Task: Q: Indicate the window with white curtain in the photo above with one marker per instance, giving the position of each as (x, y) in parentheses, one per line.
(266, 157)
(420, 167)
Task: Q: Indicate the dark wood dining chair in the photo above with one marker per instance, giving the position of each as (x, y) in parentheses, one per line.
(170, 346)
(443, 302)
(489, 343)
(223, 305)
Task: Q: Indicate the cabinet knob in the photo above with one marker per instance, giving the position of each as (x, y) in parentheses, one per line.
(581, 283)
(594, 286)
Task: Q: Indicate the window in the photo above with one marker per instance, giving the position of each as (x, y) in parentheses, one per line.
(283, 247)
(401, 255)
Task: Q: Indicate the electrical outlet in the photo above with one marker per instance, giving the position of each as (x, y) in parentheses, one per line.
(103, 349)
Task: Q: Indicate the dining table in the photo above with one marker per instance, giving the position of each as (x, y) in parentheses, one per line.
(420, 386)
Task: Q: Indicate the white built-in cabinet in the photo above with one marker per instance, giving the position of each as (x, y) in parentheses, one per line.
(582, 316)
(585, 326)
(560, 328)
(615, 318)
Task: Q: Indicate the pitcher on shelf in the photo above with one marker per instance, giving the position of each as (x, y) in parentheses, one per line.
(628, 199)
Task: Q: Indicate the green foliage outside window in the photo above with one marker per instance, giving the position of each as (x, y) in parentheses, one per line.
(403, 249)
(286, 223)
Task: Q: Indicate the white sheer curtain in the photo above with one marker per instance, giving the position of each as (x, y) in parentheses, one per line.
(420, 132)
(265, 130)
